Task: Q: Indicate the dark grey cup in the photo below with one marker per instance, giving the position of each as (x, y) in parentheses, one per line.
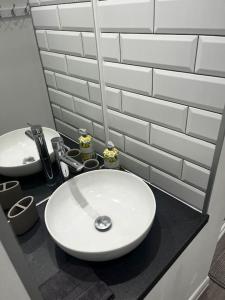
(10, 193)
(91, 164)
(23, 215)
(75, 154)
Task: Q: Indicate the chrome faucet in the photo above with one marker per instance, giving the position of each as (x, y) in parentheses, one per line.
(63, 161)
(39, 139)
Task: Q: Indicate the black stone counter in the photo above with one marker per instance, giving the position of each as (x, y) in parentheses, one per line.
(134, 275)
(130, 277)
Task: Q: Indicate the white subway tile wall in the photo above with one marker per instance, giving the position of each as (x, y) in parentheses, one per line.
(166, 51)
(54, 61)
(73, 86)
(211, 56)
(154, 110)
(153, 156)
(190, 16)
(61, 99)
(129, 125)
(70, 69)
(136, 166)
(195, 175)
(203, 124)
(83, 68)
(46, 17)
(182, 145)
(56, 110)
(132, 78)
(126, 15)
(178, 188)
(164, 68)
(42, 39)
(76, 16)
(65, 42)
(109, 42)
(50, 78)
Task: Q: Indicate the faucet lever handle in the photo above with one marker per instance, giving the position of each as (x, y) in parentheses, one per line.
(35, 129)
(58, 144)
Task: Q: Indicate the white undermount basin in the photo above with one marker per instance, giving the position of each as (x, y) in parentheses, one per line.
(72, 209)
(18, 152)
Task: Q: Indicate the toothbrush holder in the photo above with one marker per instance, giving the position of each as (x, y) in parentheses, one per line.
(91, 165)
(10, 193)
(23, 215)
(75, 154)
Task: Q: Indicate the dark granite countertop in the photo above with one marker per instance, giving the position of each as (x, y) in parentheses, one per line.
(132, 276)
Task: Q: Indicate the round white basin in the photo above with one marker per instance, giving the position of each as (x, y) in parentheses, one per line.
(18, 152)
(72, 210)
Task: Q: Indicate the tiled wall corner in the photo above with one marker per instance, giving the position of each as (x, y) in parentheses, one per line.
(165, 82)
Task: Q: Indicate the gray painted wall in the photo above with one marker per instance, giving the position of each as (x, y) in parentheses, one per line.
(23, 96)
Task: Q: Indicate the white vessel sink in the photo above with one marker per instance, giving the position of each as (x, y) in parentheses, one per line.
(72, 210)
(18, 152)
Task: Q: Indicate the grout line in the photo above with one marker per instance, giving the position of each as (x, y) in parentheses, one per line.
(177, 101)
(82, 43)
(152, 82)
(121, 106)
(130, 33)
(170, 153)
(69, 94)
(132, 64)
(138, 93)
(138, 117)
(46, 39)
(127, 32)
(150, 129)
(67, 68)
(154, 13)
(89, 93)
(196, 54)
(80, 115)
(182, 168)
(185, 128)
(58, 17)
(120, 47)
(166, 126)
(180, 156)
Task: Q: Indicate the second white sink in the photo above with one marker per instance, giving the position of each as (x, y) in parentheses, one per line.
(126, 207)
(19, 155)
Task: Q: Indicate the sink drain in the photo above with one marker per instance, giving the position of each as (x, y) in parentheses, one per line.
(103, 223)
(28, 160)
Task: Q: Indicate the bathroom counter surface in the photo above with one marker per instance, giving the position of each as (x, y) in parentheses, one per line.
(130, 277)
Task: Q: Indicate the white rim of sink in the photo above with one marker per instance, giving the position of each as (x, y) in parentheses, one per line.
(19, 167)
(133, 241)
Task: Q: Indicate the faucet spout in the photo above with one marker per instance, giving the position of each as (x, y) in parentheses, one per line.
(39, 139)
